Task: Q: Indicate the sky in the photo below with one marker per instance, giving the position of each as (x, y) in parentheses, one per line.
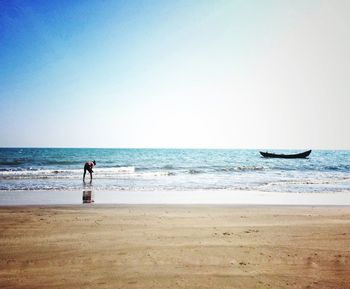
(175, 74)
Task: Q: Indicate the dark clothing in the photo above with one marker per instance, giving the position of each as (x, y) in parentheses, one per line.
(88, 167)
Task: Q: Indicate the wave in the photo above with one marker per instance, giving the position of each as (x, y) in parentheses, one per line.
(13, 162)
(161, 180)
(156, 174)
(29, 162)
(249, 168)
(36, 174)
(168, 167)
(102, 173)
(325, 181)
(239, 169)
(126, 170)
(41, 162)
(63, 162)
(338, 168)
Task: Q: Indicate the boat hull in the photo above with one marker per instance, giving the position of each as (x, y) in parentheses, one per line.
(286, 156)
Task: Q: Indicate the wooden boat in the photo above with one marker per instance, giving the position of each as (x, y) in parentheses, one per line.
(288, 156)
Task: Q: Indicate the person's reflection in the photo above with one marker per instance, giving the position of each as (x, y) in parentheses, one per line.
(88, 197)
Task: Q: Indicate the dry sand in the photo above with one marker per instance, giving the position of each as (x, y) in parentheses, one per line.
(174, 247)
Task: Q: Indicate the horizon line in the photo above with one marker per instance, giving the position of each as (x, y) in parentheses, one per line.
(169, 148)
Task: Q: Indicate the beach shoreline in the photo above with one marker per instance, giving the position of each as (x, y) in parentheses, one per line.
(194, 197)
(157, 170)
(174, 246)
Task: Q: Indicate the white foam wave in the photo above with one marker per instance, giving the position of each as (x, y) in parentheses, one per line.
(324, 181)
(103, 173)
(155, 174)
(31, 174)
(118, 170)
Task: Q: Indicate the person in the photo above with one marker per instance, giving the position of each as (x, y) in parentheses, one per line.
(88, 167)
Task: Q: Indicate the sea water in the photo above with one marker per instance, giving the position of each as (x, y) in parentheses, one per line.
(171, 170)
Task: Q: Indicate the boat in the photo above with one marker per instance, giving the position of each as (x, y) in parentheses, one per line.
(286, 156)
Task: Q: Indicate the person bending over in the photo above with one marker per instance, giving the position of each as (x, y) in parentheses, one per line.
(88, 167)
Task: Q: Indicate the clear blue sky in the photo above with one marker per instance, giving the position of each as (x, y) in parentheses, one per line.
(223, 74)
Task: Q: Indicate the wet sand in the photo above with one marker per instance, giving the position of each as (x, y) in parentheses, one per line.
(172, 246)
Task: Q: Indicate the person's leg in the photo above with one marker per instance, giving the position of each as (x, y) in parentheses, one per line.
(84, 173)
(90, 171)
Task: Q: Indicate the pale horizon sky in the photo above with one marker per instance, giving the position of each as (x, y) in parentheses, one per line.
(175, 74)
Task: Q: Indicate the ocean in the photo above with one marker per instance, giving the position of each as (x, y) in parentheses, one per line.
(61, 169)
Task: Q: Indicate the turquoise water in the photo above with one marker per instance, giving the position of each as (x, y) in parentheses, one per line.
(23, 169)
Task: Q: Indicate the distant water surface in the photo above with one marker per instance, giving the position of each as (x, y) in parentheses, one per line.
(57, 169)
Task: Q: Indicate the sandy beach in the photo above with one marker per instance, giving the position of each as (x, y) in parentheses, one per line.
(172, 246)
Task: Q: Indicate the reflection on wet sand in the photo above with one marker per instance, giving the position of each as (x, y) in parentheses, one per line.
(88, 197)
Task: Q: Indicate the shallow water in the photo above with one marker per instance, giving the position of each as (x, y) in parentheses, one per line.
(38, 169)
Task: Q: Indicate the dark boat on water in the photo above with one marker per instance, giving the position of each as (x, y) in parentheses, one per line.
(288, 156)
